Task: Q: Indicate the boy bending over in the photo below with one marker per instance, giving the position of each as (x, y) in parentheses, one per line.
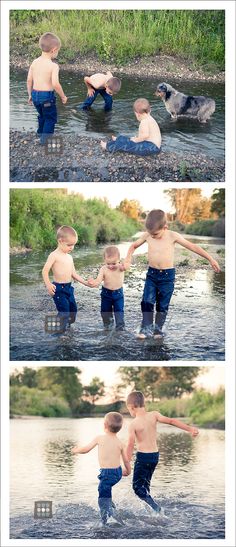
(105, 85)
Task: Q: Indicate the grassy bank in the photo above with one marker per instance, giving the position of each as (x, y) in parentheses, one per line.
(122, 35)
(209, 227)
(36, 214)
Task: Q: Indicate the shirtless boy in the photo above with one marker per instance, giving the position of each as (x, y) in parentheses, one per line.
(159, 284)
(148, 140)
(62, 266)
(110, 453)
(105, 85)
(112, 296)
(142, 431)
(42, 81)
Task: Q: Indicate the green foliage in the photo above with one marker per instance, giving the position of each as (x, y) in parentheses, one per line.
(34, 402)
(160, 382)
(95, 389)
(218, 202)
(36, 214)
(121, 35)
(200, 228)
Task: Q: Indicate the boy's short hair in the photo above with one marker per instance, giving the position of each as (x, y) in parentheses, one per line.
(155, 219)
(114, 84)
(113, 421)
(136, 399)
(111, 250)
(64, 231)
(141, 106)
(48, 41)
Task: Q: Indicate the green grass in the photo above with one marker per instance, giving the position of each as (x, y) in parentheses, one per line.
(122, 35)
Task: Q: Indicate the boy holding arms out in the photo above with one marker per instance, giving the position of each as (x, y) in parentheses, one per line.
(142, 431)
(42, 80)
(62, 266)
(104, 84)
(159, 284)
(110, 453)
(148, 140)
(112, 295)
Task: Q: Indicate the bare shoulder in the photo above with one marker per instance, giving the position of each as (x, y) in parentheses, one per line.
(173, 235)
(154, 414)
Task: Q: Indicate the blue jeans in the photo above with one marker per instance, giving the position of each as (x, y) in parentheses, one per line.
(124, 144)
(112, 301)
(107, 479)
(65, 302)
(144, 468)
(45, 104)
(158, 289)
(106, 97)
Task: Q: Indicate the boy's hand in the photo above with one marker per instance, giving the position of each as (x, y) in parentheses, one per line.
(91, 92)
(125, 265)
(51, 289)
(134, 139)
(194, 431)
(125, 473)
(91, 282)
(30, 101)
(74, 450)
(214, 264)
(64, 99)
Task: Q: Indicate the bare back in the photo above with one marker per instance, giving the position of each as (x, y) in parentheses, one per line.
(100, 80)
(109, 451)
(62, 266)
(144, 428)
(41, 71)
(150, 127)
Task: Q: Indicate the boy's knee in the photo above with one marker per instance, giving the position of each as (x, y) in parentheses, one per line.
(139, 490)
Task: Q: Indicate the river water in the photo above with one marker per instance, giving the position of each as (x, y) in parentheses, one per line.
(188, 483)
(194, 328)
(183, 135)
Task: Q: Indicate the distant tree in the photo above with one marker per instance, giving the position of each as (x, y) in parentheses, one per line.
(63, 381)
(28, 377)
(131, 208)
(218, 202)
(95, 389)
(189, 204)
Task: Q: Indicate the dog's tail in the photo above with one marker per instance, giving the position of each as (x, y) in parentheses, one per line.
(206, 110)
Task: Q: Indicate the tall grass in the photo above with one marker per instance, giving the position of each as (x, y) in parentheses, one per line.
(121, 35)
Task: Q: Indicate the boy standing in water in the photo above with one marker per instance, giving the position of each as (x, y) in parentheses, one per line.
(62, 266)
(110, 453)
(148, 140)
(159, 284)
(105, 85)
(142, 431)
(112, 295)
(42, 81)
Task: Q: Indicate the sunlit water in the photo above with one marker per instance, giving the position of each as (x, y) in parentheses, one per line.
(188, 483)
(183, 135)
(194, 328)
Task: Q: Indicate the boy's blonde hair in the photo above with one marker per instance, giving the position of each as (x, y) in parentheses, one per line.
(156, 219)
(66, 231)
(141, 106)
(136, 399)
(113, 421)
(49, 41)
(110, 251)
(114, 84)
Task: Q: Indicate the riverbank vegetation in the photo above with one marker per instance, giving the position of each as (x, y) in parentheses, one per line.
(123, 35)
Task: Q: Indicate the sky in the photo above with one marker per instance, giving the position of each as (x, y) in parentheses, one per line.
(153, 196)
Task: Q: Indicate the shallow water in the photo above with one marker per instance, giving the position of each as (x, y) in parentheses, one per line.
(194, 328)
(188, 482)
(183, 135)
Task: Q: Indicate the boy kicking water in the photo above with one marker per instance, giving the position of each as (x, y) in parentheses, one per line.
(148, 140)
(110, 453)
(105, 85)
(42, 81)
(112, 295)
(159, 284)
(62, 266)
(142, 431)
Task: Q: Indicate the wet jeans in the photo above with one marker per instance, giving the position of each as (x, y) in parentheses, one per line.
(112, 301)
(45, 104)
(144, 468)
(65, 302)
(90, 100)
(158, 289)
(124, 144)
(107, 479)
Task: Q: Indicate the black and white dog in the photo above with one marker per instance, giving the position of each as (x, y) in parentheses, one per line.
(178, 104)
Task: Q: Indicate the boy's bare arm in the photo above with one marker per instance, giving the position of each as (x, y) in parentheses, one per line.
(86, 448)
(89, 86)
(132, 248)
(127, 470)
(56, 84)
(196, 249)
(130, 443)
(30, 85)
(96, 282)
(177, 423)
(143, 133)
(78, 277)
(45, 273)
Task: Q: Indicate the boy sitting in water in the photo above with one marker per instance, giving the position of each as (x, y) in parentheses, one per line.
(62, 266)
(159, 284)
(42, 81)
(148, 140)
(110, 453)
(105, 85)
(112, 296)
(142, 431)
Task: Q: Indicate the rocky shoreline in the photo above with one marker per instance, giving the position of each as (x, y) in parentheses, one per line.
(82, 160)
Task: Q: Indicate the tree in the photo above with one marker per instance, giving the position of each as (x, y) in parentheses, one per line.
(26, 378)
(95, 389)
(131, 208)
(189, 204)
(63, 381)
(218, 202)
